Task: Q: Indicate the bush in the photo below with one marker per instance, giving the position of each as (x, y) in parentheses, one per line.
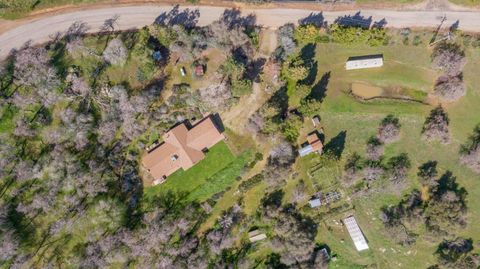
(357, 35)
(307, 34)
(250, 183)
(291, 128)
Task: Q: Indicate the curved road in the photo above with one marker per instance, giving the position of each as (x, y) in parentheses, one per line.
(41, 30)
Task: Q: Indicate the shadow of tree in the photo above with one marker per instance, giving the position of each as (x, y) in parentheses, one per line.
(336, 145)
(255, 68)
(380, 24)
(280, 100)
(356, 20)
(315, 19)
(447, 182)
(454, 26)
(233, 18)
(187, 17)
(319, 90)
(307, 54)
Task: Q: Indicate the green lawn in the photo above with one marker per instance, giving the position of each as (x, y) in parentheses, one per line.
(213, 174)
(407, 66)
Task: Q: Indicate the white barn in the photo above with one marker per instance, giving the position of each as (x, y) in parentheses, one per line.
(366, 61)
(355, 233)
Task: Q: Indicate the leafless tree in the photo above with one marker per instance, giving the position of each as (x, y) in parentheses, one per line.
(32, 68)
(449, 88)
(450, 58)
(286, 40)
(472, 159)
(436, 126)
(389, 129)
(374, 149)
(115, 53)
(8, 245)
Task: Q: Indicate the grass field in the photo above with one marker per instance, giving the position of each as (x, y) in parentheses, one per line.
(406, 66)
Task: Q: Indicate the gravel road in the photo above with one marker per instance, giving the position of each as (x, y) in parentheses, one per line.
(42, 29)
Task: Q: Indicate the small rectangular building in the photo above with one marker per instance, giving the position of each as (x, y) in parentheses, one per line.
(366, 61)
(315, 203)
(355, 233)
(256, 235)
(314, 144)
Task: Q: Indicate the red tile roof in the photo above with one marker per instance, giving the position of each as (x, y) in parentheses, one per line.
(181, 148)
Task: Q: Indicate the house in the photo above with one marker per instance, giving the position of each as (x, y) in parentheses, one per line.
(199, 70)
(255, 236)
(355, 233)
(366, 61)
(182, 147)
(313, 144)
(315, 203)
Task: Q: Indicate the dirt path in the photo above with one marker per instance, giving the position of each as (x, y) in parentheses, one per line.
(237, 117)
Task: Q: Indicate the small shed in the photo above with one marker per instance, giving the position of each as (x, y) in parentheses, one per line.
(256, 235)
(316, 121)
(313, 144)
(366, 61)
(182, 71)
(315, 203)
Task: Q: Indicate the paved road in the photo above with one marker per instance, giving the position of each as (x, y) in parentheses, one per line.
(40, 30)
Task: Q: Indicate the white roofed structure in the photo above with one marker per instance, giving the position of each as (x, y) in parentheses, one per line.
(355, 233)
(366, 61)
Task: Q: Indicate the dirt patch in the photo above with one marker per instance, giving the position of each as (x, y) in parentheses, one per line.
(365, 90)
(268, 42)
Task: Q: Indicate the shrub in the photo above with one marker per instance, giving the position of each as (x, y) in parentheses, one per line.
(250, 183)
(307, 33)
(358, 35)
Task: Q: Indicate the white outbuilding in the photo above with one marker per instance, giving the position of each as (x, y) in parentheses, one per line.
(366, 61)
(355, 233)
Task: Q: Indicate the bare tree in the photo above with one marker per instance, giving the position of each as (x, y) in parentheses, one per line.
(374, 149)
(115, 53)
(32, 68)
(450, 58)
(449, 88)
(436, 126)
(389, 130)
